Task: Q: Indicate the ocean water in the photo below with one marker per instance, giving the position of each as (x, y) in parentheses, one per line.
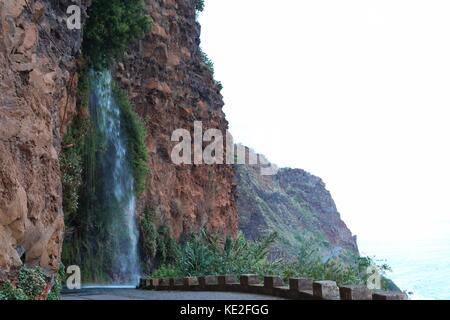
(420, 262)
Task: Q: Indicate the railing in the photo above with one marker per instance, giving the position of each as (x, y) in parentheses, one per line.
(298, 288)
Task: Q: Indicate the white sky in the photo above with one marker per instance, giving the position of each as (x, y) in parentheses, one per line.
(356, 92)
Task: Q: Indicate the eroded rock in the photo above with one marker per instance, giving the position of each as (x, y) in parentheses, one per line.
(35, 79)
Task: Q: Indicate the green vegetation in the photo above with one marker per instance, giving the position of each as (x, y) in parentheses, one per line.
(167, 247)
(149, 234)
(9, 292)
(219, 85)
(72, 155)
(207, 61)
(157, 243)
(167, 271)
(136, 134)
(210, 66)
(60, 276)
(31, 284)
(199, 5)
(71, 165)
(309, 264)
(32, 281)
(78, 150)
(206, 254)
(111, 27)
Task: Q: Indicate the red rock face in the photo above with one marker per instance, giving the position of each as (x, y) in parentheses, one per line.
(37, 99)
(172, 88)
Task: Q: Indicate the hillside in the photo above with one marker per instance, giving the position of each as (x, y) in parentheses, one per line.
(297, 206)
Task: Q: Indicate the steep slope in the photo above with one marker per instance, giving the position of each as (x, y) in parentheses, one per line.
(37, 84)
(172, 87)
(297, 206)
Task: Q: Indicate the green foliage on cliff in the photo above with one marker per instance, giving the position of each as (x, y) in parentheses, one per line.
(157, 245)
(207, 61)
(71, 158)
(112, 25)
(199, 5)
(31, 284)
(71, 165)
(167, 250)
(136, 134)
(149, 234)
(157, 242)
(32, 281)
(9, 292)
(60, 276)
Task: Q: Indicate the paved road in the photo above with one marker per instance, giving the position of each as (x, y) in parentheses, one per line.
(133, 294)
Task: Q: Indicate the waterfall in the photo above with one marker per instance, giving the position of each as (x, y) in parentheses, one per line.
(112, 220)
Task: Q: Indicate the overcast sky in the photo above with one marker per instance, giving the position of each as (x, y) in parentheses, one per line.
(356, 92)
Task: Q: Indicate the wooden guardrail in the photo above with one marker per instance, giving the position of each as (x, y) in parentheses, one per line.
(297, 288)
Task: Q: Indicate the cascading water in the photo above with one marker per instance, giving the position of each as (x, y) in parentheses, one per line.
(113, 203)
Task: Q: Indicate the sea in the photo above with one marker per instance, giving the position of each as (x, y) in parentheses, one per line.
(420, 261)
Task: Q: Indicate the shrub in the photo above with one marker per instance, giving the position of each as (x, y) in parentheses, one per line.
(219, 85)
(206, 254)
(9, 292)
(210, 66)
(31, 285)
(167, 271)
(55, 292)
(149, 234)
(207, 61)
(157, 242)
(199, 5)
(167, 247)
(111, 26)
(350, 270)
(32, 281)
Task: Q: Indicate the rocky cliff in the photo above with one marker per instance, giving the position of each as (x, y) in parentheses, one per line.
(171, 87)
(37, 98)
(297, 206)
(169, 83)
